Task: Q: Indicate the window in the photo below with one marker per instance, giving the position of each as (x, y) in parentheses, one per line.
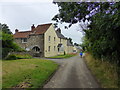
(58, 49)
(49, 48)
(54, 38)
(36, 49)
(60, 39)
(54, 48)
(49, 38)
(24, 40)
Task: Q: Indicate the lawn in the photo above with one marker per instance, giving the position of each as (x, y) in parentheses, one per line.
(26, 72)
(105, 72)
(63, 56)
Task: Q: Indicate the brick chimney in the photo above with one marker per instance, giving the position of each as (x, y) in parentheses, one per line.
(16, 30)
(32, 27)
(59, 30)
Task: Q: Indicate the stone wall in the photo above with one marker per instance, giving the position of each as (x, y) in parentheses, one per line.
(32, 41)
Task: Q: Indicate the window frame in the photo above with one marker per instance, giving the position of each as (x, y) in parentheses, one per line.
(49, 38)
(48, 48)
(24, 40)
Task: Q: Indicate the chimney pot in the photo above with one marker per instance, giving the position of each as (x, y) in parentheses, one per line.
(59, 30)
(16, 30)
(32, 27)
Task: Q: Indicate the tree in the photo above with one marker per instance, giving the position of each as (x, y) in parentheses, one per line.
(4, 28)
(7, 40)
(103, 34)
(76, 44)
(70, 39)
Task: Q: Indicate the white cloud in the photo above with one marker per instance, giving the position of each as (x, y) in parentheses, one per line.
(22, 15)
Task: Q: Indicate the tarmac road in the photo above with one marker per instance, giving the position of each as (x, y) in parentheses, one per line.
(72, 73)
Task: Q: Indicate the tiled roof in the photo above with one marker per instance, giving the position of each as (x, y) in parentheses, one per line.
(40, 29)
(24, 34)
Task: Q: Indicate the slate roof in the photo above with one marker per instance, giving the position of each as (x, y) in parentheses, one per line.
(60, 35)
(68, 43)
(40, 29)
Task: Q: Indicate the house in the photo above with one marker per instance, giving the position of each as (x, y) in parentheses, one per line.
(64, 45)
(69, 46)
(62, 42)
(76, 49)
(43, 41)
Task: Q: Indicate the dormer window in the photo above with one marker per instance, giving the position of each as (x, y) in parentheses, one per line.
(24, 40)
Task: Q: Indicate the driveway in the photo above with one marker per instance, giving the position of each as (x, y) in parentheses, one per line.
(73, 73)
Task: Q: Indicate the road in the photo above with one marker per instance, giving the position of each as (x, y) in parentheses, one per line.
(72, 73)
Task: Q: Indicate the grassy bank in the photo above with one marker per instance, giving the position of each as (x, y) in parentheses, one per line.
(105, 72)
(63, 56)
(26, 72)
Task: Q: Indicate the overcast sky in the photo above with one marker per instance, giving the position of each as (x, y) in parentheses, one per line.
(21, 14)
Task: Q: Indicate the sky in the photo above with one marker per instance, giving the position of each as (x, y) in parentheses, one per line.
(21, 14)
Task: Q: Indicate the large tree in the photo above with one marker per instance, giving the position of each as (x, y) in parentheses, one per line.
(7, 40)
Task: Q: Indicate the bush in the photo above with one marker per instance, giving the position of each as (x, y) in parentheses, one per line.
(11, 57)
(18, 56)
(5, 52)
(25, 56)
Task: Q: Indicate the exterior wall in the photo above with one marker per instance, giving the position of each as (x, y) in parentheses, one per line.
(64, 43)
(50, 32)
(33, 40)
(75, 49)
(69, 49)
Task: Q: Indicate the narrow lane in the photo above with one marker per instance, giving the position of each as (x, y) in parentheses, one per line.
(73, 73)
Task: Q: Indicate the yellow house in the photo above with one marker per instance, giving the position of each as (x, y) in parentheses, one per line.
(64, 45)
(62, 42)
(50, 42)
(70, 47)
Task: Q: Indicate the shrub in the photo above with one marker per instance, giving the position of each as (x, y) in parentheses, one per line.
(11, 57)
(23, 56)
(18, 56)
(5, 52)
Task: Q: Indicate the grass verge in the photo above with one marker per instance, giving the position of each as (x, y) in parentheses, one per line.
(105, 72)
(62, 56)
(26, 73)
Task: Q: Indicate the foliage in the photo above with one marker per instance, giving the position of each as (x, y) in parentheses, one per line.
(26, 71)
(18, 56)
(70, 39)
(7, 40)
(105, 72)
(11, 57)
(73, 12)
(4, 28)
(102, 37)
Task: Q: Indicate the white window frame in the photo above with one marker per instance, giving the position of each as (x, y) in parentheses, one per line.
(23, 40)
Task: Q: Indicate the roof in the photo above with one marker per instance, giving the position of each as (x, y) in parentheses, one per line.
(40, 29)
(59, 45)
(24, 34)
(68, 43)
(60, 35)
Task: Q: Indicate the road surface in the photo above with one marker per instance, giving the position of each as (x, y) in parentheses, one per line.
(72, 73)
